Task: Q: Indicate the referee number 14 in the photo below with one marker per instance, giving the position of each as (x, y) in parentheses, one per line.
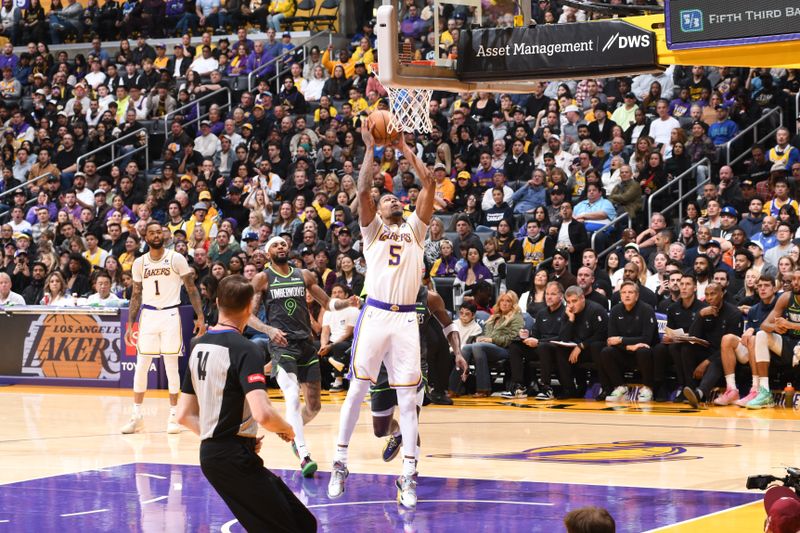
(202, 361)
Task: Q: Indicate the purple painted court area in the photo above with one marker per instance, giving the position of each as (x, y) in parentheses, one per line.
(174, 498)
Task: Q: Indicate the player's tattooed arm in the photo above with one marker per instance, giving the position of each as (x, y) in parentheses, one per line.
(197, 303)
(366, 205)
(322, 297)
(276, 336)
(438, 310)
(133, 311)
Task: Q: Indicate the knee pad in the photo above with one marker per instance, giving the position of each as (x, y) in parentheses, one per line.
(173, 377)
(140, 373)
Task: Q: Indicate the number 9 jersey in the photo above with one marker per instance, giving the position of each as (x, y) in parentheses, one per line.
(161, 280)
(394, 256)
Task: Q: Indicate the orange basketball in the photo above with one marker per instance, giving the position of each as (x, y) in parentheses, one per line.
(380, 127)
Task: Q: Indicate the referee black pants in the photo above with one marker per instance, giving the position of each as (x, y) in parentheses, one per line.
(258, 498)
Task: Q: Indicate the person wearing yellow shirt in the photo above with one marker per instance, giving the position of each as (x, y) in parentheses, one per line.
(212, 213)
(344, 60)
(357, 102)
(445, 190)
(364, 53)
(325, 102)
(94, 254)
(279, 10)
(201, 217)
(205, 40)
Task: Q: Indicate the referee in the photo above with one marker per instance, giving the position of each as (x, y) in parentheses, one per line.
(224, 401)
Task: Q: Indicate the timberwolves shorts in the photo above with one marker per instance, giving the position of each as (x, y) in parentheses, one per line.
(781, 348)
(160, 332)
(388, 336)
(383, 398)
(299, 357)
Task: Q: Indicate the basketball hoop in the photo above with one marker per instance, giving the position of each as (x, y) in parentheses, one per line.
(409, 107)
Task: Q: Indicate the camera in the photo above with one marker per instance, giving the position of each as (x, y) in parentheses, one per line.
(762, 482)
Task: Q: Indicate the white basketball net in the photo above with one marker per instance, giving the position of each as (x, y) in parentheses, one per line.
(409, 107)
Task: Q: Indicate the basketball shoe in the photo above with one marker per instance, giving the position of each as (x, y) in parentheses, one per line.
(392, 447)
(645, 395)
(728, 397)
(618, 394)
(693, 396)
(751, 395)
(407, 491)
(173, 427)
(764, 399)
(339, 474)
(134, 425)
(308, 466)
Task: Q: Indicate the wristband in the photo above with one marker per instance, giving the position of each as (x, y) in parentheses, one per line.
(449, 329)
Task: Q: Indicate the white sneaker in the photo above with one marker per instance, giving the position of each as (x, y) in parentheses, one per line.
(134, 425)
(618, 394)
(339, 473)
(645, 395)
(407, 491)
(173, 427)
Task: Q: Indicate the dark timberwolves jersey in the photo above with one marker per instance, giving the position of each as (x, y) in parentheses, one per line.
(285, 303)
(792, 313)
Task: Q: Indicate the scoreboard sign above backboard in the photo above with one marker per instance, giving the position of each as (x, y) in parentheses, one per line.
(711, 23)
(588, 49)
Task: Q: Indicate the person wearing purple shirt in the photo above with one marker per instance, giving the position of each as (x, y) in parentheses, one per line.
(42, 201)
(259, 57)
(8, 58)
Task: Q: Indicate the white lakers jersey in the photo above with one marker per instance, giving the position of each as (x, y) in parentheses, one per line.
(161, 280)
(394, 256)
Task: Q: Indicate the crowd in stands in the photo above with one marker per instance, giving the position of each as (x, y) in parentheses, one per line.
(538, 180)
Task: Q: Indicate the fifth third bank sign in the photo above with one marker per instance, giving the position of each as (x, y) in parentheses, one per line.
(554, 49)
(711, 23)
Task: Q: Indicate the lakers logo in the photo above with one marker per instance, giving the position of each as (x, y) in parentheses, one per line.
(611, 453)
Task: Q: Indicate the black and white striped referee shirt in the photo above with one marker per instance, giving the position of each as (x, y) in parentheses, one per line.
(223, 368)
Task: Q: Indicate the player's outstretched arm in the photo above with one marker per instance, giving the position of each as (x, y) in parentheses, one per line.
(424, 208)
(277, 336)
(197, 303)
(133, 311)
(189, 412)
(436, 305)
(366, 205)
(322, 297)
(266, 415)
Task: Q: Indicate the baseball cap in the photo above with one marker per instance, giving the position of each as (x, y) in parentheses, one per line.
(247, 125)
(778, 167)
(721, 106)
(463, 175)
(100, 191)
(187, 177)
(205, 123)
(747, 183)
(754, 243)
(200, 206)
(497, 114)
(783, 510)
(562, 253)
(250, 236)
(687, 222)
(344, 229)
(286, 34)
(630, 95)
(573, 108)
(41, 92)
(729, 210)
(204, 195)
(632, 245)
(602, 107)
(438, 166)
(305, 250)
(554, 136)
(713, 243)
(20, 252)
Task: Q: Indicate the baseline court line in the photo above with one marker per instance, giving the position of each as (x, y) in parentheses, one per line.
(95, 511)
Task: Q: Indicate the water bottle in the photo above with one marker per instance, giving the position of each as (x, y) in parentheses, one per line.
(788, 394)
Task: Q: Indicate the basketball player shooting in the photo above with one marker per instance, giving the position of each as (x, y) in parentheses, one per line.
(386, 331)
(157, 278)
(294, 358)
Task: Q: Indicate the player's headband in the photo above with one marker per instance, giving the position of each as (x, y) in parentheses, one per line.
(274, 240)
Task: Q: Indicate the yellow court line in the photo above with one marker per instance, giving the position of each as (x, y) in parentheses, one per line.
(491, 403)
(747, 517)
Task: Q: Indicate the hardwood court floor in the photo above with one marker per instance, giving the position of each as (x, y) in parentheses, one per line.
(664, 467)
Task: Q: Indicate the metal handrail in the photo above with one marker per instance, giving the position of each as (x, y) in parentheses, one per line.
(280, 71)
(754, 129)
(251, 76)
(611, 224)
(113, 144)
(682, 197)
(196, 102)
(671, 184)
(27, 183)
